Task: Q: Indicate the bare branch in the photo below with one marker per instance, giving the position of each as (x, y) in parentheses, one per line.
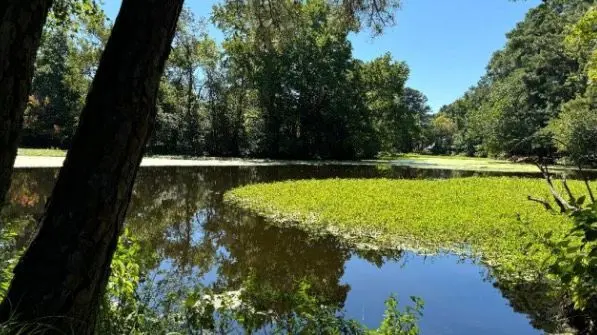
(570, 195)
(586, 180)
(543, 202)
(563, 204)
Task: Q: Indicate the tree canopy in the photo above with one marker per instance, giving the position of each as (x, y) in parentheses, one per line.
(265, 91)
(537, 90)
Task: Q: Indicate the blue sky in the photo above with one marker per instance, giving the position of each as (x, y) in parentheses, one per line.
(446, 43)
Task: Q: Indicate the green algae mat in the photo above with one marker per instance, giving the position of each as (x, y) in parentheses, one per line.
(487, 217)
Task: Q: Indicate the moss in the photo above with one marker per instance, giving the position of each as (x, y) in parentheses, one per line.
(490, 217)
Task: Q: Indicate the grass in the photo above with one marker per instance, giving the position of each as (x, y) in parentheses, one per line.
(471, 215)
(41, 152)
(460, 163)
(465, 163)
(457, 157)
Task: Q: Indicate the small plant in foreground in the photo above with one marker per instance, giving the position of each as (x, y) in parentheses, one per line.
(396, 322)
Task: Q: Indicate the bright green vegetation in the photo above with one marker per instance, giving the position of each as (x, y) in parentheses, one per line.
(453, 214)
(41, 152)
(455, 157)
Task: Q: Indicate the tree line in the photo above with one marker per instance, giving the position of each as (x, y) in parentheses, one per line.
(282, 86)
(538, 96)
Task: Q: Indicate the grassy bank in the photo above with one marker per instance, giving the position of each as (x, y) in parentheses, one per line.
(478, 215)
(460, 163)
(468, 163)
(41, 152)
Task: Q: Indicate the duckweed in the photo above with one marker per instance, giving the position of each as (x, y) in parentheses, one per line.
(486, 217)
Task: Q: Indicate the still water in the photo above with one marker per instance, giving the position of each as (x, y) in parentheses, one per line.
(178, 216)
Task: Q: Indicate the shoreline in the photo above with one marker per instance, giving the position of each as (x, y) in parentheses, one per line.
(28, 162)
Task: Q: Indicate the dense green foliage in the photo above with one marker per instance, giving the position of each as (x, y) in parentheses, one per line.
(572, 258)
(283, 86)
(457, 214)
(575, 258)
(66, 62)
(536, 95)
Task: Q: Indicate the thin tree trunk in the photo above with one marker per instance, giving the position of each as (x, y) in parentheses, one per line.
(21, 25)
(190, 102)
(62, 275)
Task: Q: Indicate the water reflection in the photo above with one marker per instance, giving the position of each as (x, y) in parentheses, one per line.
(188, 237)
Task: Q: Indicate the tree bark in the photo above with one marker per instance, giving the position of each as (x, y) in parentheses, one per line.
(62, 275)
(21, 25)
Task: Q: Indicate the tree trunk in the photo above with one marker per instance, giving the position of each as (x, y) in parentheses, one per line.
(21, 25)
(62, 275)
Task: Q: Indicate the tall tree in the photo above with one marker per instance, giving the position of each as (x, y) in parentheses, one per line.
(384, 81)
(63, 273)
(299, 67)
(21, 25)
(182, 73)
(414, 112)
(575, 129)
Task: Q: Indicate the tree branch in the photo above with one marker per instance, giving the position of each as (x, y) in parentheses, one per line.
(563, 204)
(587, 184)
(543, 202)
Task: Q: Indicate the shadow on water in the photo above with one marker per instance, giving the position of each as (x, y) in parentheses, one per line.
(189, 237)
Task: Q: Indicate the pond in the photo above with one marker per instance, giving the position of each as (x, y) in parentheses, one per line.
(178, 217)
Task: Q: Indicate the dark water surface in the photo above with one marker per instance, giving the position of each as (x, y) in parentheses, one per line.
(177, 214)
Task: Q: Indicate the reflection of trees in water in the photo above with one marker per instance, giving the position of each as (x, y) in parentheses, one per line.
(181, 218)
(273, 265)
(544, 304)
(29, 191)
(177, 215)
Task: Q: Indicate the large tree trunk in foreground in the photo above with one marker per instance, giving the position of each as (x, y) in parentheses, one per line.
(21, 25)
(62, 275)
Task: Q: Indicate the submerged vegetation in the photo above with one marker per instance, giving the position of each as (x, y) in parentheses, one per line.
(487, 216)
